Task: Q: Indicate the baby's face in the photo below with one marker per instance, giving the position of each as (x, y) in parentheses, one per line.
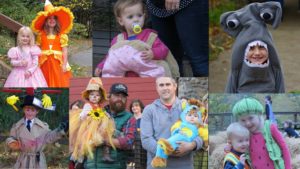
(192, 118)
(94, 97)
(240, 142)
(130, 16)
(257, 54)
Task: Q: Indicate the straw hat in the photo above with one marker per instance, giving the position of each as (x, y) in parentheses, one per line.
(64, 15)
(95, 83)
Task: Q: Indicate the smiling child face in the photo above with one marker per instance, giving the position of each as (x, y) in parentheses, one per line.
(257, 53)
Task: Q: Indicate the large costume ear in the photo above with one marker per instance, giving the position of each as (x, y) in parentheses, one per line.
(230, 23)
(270, 13)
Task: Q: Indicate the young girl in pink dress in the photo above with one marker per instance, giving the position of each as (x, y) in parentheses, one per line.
(267, 146)
(134, 50)
(24, 59)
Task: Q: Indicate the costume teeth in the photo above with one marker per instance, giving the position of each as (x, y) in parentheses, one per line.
(251, 44)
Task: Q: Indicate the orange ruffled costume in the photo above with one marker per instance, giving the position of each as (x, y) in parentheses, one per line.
(52, 59)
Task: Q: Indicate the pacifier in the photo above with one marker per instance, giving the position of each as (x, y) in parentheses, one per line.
(136, 28)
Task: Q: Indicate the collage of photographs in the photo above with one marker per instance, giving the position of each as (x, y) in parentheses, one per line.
(149, 84)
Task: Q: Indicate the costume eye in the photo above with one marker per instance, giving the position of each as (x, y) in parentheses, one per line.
(267, 16)
(232, 23)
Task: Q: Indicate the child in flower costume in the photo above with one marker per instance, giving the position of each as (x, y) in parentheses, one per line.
(52, 26)
(186, 129)
(89, 125)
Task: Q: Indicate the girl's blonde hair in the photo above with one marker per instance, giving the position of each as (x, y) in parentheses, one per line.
(57, 27)
(22, 30)
(120, 6)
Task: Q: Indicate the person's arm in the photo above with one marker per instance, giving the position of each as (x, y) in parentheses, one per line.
(14, 60)
(53, 136)
(187, 147)
(281, 143)
(85, 110)
(126, 141)
(35, 52)
(64, 44)
(159, 49)
(147, 133)
(12, 141)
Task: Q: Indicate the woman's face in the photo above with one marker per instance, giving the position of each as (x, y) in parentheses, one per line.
(136, 108)
(51, 21)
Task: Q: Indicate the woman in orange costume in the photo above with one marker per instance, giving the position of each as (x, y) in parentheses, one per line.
(52, 25)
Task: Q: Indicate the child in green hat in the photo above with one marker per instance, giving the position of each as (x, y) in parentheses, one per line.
(267, 146)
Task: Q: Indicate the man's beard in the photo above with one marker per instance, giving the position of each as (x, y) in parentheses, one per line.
(117, 107)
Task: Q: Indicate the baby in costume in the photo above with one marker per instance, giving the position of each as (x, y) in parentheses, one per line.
(186, 129)
(89, 125)
(255, 65)
(136, 50)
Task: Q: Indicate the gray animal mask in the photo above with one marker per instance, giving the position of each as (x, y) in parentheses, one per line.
(247, 25)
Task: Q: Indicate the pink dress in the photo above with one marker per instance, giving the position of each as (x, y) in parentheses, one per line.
(128, 58)
(16, 77)
(259, 154)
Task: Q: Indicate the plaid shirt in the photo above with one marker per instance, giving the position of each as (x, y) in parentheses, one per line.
(129, 130)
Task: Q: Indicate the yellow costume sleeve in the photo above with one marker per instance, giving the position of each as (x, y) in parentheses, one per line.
(175, 126)
(38, 40)
(64, 40)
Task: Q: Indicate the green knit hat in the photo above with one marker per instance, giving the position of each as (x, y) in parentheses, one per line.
(247, 106)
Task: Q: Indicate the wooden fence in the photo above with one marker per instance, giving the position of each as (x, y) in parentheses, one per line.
(220, 121)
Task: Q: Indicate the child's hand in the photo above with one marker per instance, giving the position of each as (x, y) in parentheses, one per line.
(64, 67)
(24, 62)
(147, 54)
(15, 145)
(227, 148)
(27, 74)
(97, 72)
(243, 159)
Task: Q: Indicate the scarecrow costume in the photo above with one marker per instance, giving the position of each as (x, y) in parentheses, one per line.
(182, 130)
(52, 57)
(30, 137)
(89, 125)
(267, 148)
(248, 26)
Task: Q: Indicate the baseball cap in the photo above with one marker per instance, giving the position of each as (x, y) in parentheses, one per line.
(118, 88)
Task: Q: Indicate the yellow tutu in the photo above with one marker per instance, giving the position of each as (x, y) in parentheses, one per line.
(86, 134)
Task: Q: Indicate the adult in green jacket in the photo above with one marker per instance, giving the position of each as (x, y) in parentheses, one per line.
(123, 137)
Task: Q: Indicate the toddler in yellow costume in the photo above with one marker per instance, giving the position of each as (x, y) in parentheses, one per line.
(90, 124)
